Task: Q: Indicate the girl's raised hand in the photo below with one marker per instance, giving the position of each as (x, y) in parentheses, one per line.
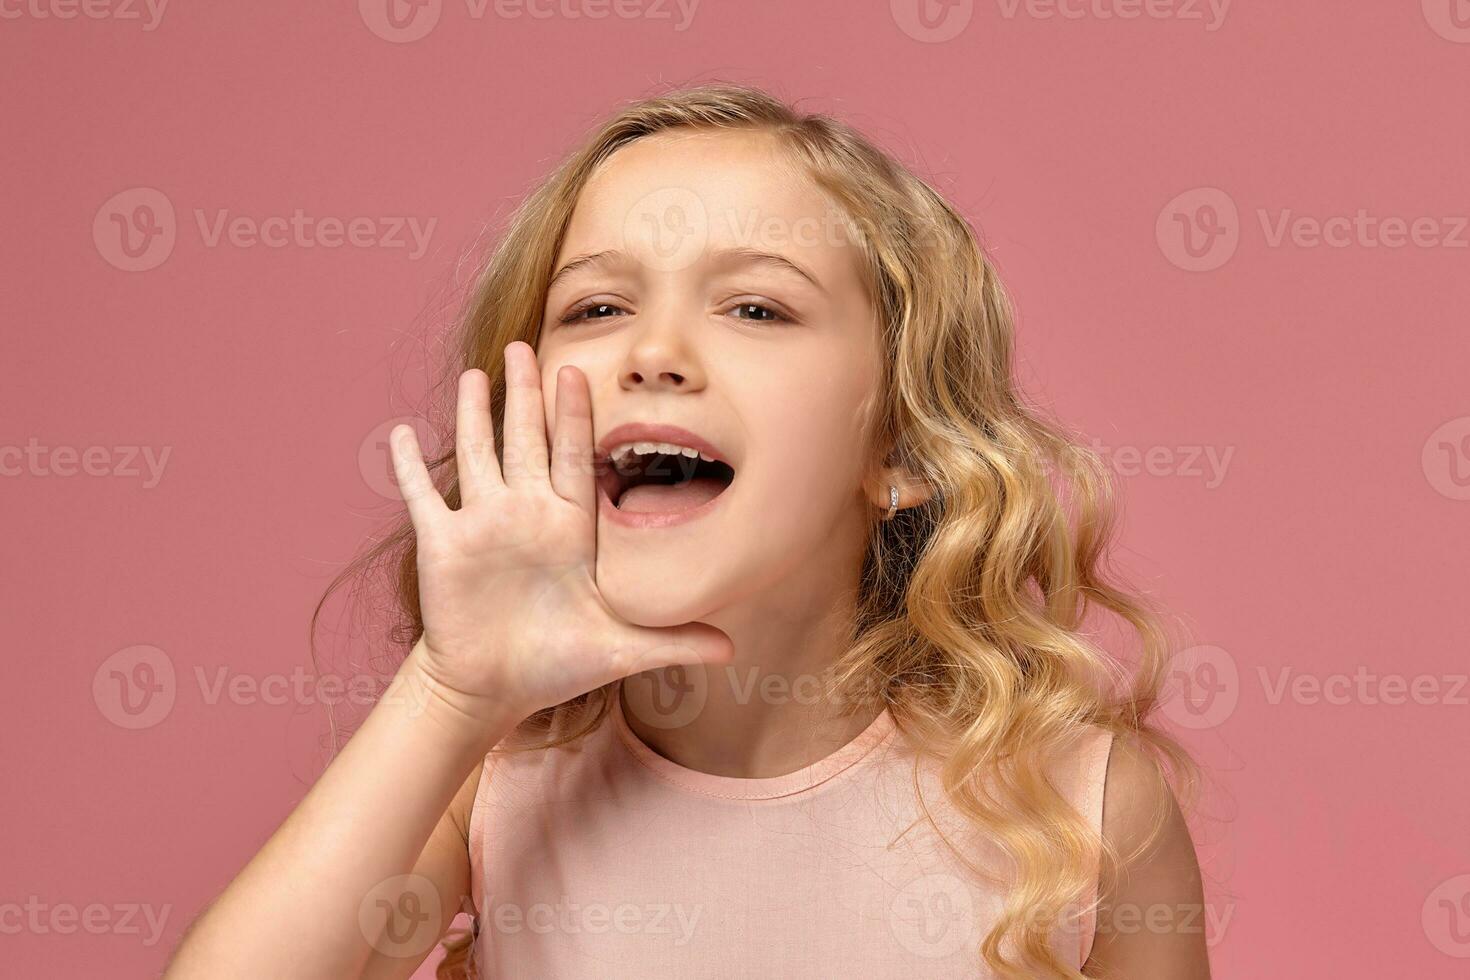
(513, 620)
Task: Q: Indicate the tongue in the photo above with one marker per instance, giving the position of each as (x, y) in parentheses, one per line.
(661, 498)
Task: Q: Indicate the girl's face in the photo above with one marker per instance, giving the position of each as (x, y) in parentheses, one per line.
(705, 283)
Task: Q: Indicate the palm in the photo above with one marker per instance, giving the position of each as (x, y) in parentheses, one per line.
(507, 588)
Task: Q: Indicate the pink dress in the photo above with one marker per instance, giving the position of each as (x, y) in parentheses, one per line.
(606, 860)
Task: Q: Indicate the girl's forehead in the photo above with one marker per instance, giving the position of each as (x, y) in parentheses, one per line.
(716, 190)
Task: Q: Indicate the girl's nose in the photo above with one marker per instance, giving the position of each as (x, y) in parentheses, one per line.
(661, 357)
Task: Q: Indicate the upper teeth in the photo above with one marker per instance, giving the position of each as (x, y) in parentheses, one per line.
(623, 452)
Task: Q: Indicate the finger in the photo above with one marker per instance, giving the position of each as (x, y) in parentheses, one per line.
(571, 461)
(474, 439)
(692, 643)
(425, 506)
(525, 418)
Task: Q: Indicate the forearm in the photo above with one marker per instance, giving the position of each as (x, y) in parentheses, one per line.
(293, 911)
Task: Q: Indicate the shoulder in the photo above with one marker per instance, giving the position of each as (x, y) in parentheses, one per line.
(1140, 812)
(1151, 906)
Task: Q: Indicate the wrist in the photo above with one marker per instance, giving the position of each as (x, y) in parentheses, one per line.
(474, 721)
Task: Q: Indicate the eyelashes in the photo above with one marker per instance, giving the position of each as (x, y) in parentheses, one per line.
(776, 316)
(576, 313)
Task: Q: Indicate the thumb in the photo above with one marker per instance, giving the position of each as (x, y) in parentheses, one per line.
(650, 648)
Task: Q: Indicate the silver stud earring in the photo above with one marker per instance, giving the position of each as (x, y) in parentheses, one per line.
(892, 503)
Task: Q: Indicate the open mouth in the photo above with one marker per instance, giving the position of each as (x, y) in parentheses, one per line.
(659, 480)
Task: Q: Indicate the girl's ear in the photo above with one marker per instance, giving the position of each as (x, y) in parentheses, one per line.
(912, 490)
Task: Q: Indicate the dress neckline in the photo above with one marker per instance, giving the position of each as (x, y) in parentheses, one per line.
(758, 788)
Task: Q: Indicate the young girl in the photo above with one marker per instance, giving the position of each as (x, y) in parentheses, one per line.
(755, 645)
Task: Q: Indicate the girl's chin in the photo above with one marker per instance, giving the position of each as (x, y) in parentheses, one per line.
(652, 600)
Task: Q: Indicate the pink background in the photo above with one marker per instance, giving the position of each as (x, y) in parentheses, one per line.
(1334, 834)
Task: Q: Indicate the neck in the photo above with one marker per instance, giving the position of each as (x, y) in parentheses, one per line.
(768, 712)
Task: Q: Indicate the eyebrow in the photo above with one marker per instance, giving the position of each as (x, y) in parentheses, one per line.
(724, 256)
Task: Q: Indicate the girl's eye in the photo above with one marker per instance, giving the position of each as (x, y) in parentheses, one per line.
(757, 312)
(576, 312)
(775, 316)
